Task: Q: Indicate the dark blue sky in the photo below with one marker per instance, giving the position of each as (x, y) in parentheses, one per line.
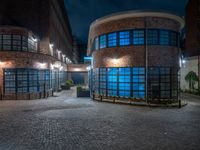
(82, 12)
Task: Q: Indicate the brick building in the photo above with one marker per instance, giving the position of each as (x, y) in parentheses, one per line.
(192, 27)
(191, 49)
(136, 55)
(36, 44)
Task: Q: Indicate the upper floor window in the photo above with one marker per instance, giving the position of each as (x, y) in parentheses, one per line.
(96, 43)
(7, 42)
(173, 38)
(124, 38)
(112, 39)
(138, 37)
(152, 37)
(103, 42)
(16, 42)
(32, 45)
(164, 37)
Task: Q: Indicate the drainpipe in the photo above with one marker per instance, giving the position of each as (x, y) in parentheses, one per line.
(146, 60)
(199, 72)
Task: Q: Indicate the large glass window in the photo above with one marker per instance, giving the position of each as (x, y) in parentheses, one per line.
(22, 81)
(112, 81)
(112, 39)
(9, 81)
(103, 42)
(96, 80)
(138, 37)
(124, 82)
(164, 37)
(102, 80)
(152, 37)
(33, 80)
(138, 82)
(124, 38)
(26, 80)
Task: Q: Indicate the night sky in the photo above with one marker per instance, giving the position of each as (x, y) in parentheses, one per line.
(83, 12)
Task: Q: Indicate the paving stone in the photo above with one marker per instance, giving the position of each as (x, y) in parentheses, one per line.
(69, 123)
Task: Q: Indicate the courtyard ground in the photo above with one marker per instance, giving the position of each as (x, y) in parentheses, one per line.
(64, 122)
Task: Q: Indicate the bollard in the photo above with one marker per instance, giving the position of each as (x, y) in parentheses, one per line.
(179, 103)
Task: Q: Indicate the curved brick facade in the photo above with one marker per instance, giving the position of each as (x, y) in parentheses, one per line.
(136, 55)
(19, 55)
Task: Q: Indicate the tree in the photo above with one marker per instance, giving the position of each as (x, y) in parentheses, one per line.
(191, 78)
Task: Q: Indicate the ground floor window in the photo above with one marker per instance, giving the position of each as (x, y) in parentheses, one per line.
(24, 80)
(131, 82)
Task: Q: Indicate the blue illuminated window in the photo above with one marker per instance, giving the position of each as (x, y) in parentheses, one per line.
(173, 38)
(124, 38)
(103, 42)
(152, 37)
(164, 37)
(112, 81)
(138, 37)
(124, 82)
(112, 39)
(138, 82)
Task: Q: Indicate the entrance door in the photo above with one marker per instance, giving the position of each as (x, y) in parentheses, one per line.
(78, 78)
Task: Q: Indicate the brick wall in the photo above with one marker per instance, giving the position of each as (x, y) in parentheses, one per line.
(135, 55)
(192, 29)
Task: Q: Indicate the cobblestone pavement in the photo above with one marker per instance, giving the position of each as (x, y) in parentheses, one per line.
(68, 123)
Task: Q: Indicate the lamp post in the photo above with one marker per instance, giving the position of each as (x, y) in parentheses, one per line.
(146, 61)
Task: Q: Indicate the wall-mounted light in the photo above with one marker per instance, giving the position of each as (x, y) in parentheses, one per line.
(58, 51)
(35, 40)
(77, 69)
(89, 68)
(42, 65)
(51, 45)
(183, 61)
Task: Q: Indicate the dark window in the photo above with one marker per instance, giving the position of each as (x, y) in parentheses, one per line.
(7, 42)
(17, 42)
(164, 37)
(173, 38)
(138, 37)
(152, 36)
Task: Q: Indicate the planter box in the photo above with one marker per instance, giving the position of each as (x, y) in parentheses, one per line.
(65, 87)
(83, 93)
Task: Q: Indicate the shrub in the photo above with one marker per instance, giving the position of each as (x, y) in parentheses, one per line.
(69, 82)
(79, 88)
(192, 79)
